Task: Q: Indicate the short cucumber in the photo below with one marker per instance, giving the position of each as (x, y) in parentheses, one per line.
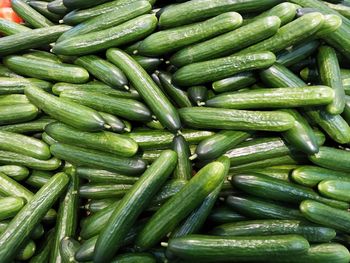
(183, 168)
(198, 94)
(331, 158)
(8, 27)
(236, 82)
(101, 191)
(335, 189)
(37, 125)
(104, 176)
(9, 206)
(16, 172)
(134, 257)
(17, 113)
(16, 85)
(41, 7)
(68, 247)
(38, 178)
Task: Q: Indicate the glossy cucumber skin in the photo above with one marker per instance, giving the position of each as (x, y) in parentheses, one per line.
(68, 247)
(216, 69)
(148, 90)
(237, 249)
(162, 222)
(115, 124)
(169, 189)
(81, 156)
(228, 43)
(17, 113)
(37, 125)
(148, 64)
(183, 168)
(104, 176)
(103, 141)
(19, 228)
(9, 85)
(57, 7)
(131, 206)
(8, 27)
(335, 189)
(168, 41)
(126, 108)
(38, 178)
(235, 82)
(46, 69)
(134, 257)
(76, 115)
(41, 7)
(9, 206)
(101, 191)
(123, 34)
(198, 94)
(97, 205)
(215, 118)
(331, 158)
(17, 172)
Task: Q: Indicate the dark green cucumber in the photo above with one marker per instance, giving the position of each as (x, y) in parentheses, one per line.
(88, 157)
(127, 108)
(148, 64)
(331, 158)
(42, 55)
(215, 118)
(17, 113)
(47, 70)
(134, 257)
(9, 85)
(101, 191)
(9, 206)
(38, 178)
(148, 90)
(104, 141)
(235, 82)
(183, 168)
(169, 189)
(185, 201)
(228, 43)
(68, 112)
(277, 172)
(329, 70)
(115, 124)
(103, 70)
(216, 69)
(37, 125)
(274, 189)
(258, 209)
(131, 206)
(224, 214)
(8, 27)
(103, 176)
(168, 41)
(41, 7)
(20, 227)
(36, 233)
(198, 94)
(68, 247)
(97, 205)
(119, 15)
(43, 253)
(122, 34)
(346, 112)
(335, 189)
(57, 7)
(16, 172)
(82, 4)
(237, 249)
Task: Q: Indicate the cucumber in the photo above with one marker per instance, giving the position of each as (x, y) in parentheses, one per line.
(37, 125)
(330, 25)
(122, 34)
(335, 189)
(170, 188)
(119, 15)
(198, 94)
(228, 43)
(312, 175)
(37, 179)
(13, 99)
(57, 7)
(30, 15)
(41, 7)
(236, 82)
(185, 201)
(148, 64)
(116, 125)
(36, 233)
(274, 98)
(237, 249)
(274, 189)
(325, 215)
(16, 85)
(148, 90)
(103, 141)
(258, 209)
(338, 40)
(8, 27)
(168, 41)
(223, 214)
(101, 191)
(278, 172)
(275, 227)
(103, 70)
(42, 255)
(68, 247)
(80, 156)
(131, 206)
(97, 205)
(27, 251)
(134, 257)
(71, 113)
(17, 113)
(331, 158)
(46, 70)
(329, 69)
(341, 8)
(103, 176)
(183, 168)
(197, 10)
(126, 108)
(16, 172)
(20, 227)
(9, 206)
(47, 139)
(5, 72)
(82, 4)
(214, 118)
(216, 69)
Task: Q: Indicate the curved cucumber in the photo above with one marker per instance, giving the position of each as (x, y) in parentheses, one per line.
(9, 85)
(16, 172)
(335, 189)
(9, 206)
(37, 125)
(103, 176)
(331, 158)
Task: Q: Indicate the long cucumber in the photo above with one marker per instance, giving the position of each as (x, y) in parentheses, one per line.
(331, 158)
(183, 168)
(103, 176)
(101, 191)
(16, 85)
(8, 27)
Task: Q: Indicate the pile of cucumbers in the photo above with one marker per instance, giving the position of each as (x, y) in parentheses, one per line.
(142, 131)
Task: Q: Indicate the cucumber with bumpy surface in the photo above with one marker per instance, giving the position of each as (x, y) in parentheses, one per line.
(183, 169)
(17, 113)
(335, 189)
(101, 191)
(68, 247)
(332, 158)
(104, 176)
(37, 125)
(41, 7)
(38, 178)
(9, 206)
(16, 172)
(9, 85)
(8, 27)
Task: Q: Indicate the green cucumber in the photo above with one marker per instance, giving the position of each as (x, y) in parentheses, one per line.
(236, 82)
(148, 64)
(101, 191)
(68, 247)
(20, 227)
(37, 179)
(36, 233)
(41, 7)
(341, 8)
(183, 169)
(122, 34)
(148, 90)
(81, 156)
(104, 141)
(17, 113)
(37, 125)
(155, 125)
(13, 99)
(68, 112)
(198, 94)
(169, 189)
(9, 206)
(228, 43)
(47, 139)
(185, 201)
(27, 251)
(47, 70)
(237, 249)
(8, 27)
(42, 55)
(331, 158)
(10, 85)
(97, 205)
(330, 25)
(42, 255)
(131, 206)
(215, 118)
(216, 69)
(57, 7)
(6, 72)
(134, 257)
(223, 214)
(126, 108)
(103, 176)
(82, 4)
(338, 40)
(335, 189)
(16, 172)
(116, 125)
(277, 172)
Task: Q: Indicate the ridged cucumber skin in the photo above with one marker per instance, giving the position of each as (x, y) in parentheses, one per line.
(162, 222)
(197, 94)
(261, 209)
(325, 215)
(223, 214)
(16, 172)
(104, 141)
(168, 41)
(20, 227)
(122, 34)
(9, 85)
(38, 178)
(8, 27)
(81, 157)
(335, 189)
(101, 191)
(41, 7)
(312, 233)
(216, 69)
(339, 40)
(46, 70)
(329, 70)
(103, 70)
(68, 247)
(148, 90)
(215, 118)
(122, 219)
(68, 112)
(16, 113)
(111, 19)
(274, 189)
(237, 249)
(331, 158)
(126, 108)
(42, 55)
(82, 4)
(236, 82)
(104, 176)
(228, 43)
(37, 125)
(183, 169)
(9, 206)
